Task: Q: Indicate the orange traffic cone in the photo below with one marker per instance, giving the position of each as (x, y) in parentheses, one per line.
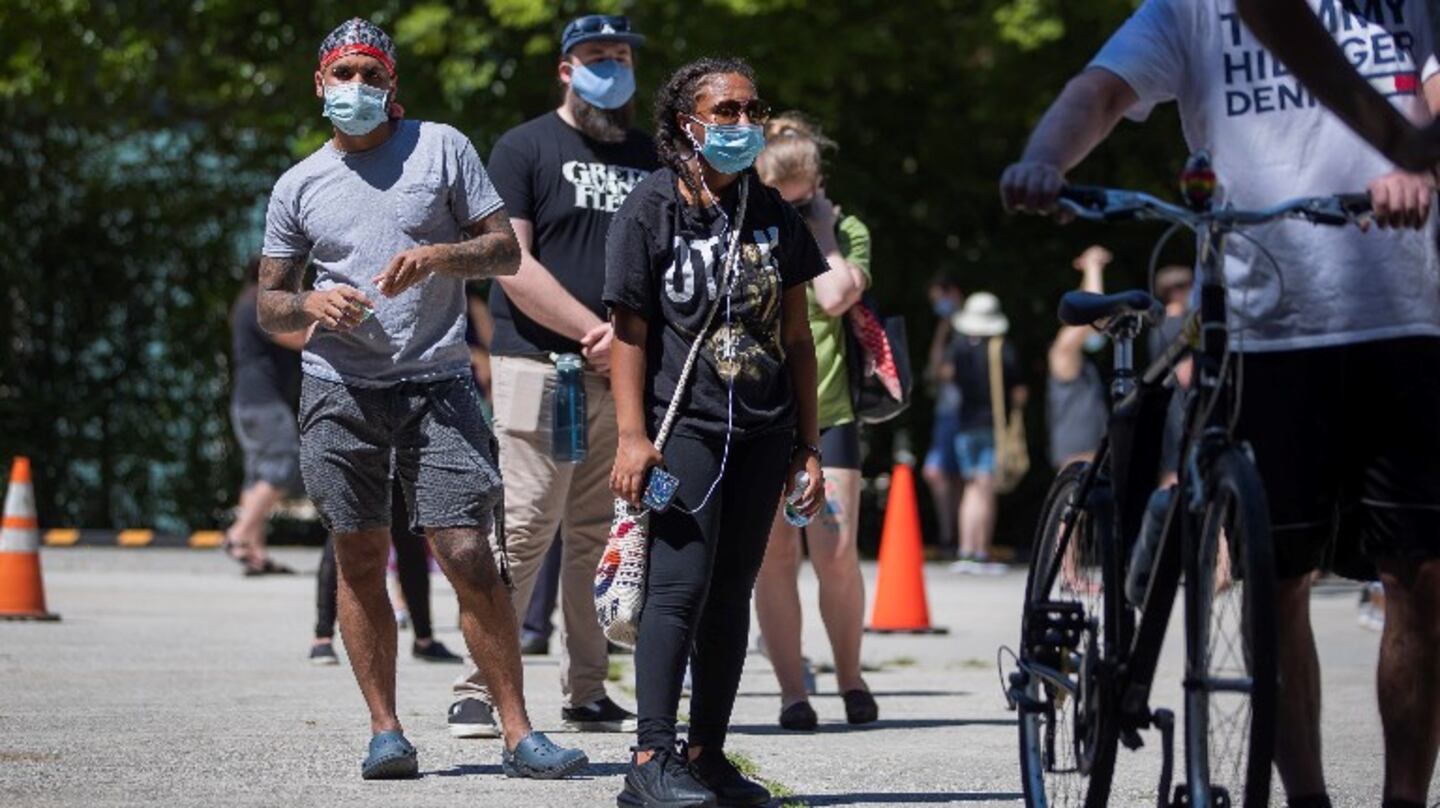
(22, 590)
(900, 604)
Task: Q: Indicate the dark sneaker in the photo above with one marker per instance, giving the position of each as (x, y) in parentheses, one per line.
(391, 758)
(472, 718)
(534, 644)
(664, 781)
(599, 716)
(537, 758)
(717, 773)
(434, 651)
(860, 707)
(800, 717)
(323, 653)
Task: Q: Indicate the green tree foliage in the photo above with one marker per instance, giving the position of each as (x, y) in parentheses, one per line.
(141, 138)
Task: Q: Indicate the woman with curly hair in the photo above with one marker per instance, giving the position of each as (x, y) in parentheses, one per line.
(791, 163)
(703, 251)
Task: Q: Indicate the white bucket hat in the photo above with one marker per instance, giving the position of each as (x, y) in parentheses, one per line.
(981, 317)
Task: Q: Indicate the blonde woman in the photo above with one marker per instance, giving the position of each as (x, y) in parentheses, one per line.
(791, 163)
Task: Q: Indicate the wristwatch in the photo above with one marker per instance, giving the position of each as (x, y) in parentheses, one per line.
(808, 447)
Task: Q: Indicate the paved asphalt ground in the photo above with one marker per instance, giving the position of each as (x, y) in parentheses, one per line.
(172, 681)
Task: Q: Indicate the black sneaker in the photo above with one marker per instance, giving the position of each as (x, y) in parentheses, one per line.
(472, 718)
(323, 653)
(434, 651)
(717, 773)
(534, 644)
(663, 781)
(599, 716)
(799, 717)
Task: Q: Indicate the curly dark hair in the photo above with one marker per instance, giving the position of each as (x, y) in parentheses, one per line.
(677, 97)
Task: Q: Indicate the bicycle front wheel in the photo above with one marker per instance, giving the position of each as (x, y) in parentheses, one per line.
(1231, 681)
(1068, 731)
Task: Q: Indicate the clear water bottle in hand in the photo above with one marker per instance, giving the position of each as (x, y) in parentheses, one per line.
(569, 439)
(792, 515)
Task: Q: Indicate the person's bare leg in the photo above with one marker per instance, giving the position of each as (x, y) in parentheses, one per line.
(777, 608)
(487, 620)
(942, 493)
(1297, 744)
(837, 567)
(1409, 678)
(977, 516)
(257, 502)
(366, 622)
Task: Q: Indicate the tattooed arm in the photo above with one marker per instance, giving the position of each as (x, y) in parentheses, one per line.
(283, 307)
(488, 249)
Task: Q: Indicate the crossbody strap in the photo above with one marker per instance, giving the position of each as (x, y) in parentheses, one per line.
(997, 386)
(732, 257)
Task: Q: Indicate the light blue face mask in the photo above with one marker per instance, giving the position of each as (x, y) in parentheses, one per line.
(355, 108)
(730, 148)
(606, 84)
(1094, 342)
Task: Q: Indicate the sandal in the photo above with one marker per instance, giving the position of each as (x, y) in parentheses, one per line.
(537, 758)
(267, 567)
(391, 758)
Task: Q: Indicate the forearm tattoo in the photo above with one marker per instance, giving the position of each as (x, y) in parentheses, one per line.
(489, 249)
(280, 302)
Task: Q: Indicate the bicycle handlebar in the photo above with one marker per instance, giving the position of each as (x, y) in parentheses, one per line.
(1113, 205)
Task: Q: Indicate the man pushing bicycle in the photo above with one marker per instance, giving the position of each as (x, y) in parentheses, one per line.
(1339, 334)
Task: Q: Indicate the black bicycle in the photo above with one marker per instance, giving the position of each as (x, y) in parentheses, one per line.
(1089, 652)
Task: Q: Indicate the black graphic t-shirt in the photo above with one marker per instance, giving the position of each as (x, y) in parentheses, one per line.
(664, 262)
(969, 357)
(569, 187)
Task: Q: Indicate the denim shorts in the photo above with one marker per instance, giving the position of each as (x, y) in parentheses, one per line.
(942, 444)
(431, 435)
(975, 452)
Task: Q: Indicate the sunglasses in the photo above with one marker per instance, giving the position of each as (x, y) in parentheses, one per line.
(727, 113)
(598, 23)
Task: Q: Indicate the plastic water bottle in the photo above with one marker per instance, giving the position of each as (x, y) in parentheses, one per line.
(1142, 555)
(569, 438)
(793, 516)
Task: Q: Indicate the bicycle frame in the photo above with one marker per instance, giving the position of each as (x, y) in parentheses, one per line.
(1129, 456)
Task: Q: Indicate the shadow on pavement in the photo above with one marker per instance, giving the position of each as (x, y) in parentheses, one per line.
(930, 797)
(879, 694)
(591, 772)
(884, 723)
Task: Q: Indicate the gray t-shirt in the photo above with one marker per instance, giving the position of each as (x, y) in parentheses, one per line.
(351, 213)
(1076, 412)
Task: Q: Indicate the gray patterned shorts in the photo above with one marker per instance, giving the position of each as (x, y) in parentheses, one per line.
(432, 434)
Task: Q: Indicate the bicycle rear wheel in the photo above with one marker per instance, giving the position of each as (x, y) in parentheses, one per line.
(1230, 603)
(1068, 730)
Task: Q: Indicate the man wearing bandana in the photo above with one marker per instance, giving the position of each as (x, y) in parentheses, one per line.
(396, 215)
(562, 176)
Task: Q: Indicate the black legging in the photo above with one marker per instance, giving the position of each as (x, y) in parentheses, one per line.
(702, 573)
(414, 570)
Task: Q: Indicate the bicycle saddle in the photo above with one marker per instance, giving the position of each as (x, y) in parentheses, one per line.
(1087, 308)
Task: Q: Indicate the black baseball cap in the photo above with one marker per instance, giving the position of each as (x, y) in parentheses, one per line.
(598, 27)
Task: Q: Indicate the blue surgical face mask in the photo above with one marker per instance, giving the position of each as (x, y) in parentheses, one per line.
(1094, 342)
(355, 108)
(606, 84)
(944, 307)
(730, 148)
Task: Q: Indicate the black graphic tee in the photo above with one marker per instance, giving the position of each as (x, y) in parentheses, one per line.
(569, 187)
(664, 262)
(970, 359)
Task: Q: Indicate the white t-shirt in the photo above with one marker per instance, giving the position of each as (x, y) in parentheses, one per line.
(1271, 140)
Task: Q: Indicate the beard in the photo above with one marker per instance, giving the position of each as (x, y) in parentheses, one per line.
(603, 125)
